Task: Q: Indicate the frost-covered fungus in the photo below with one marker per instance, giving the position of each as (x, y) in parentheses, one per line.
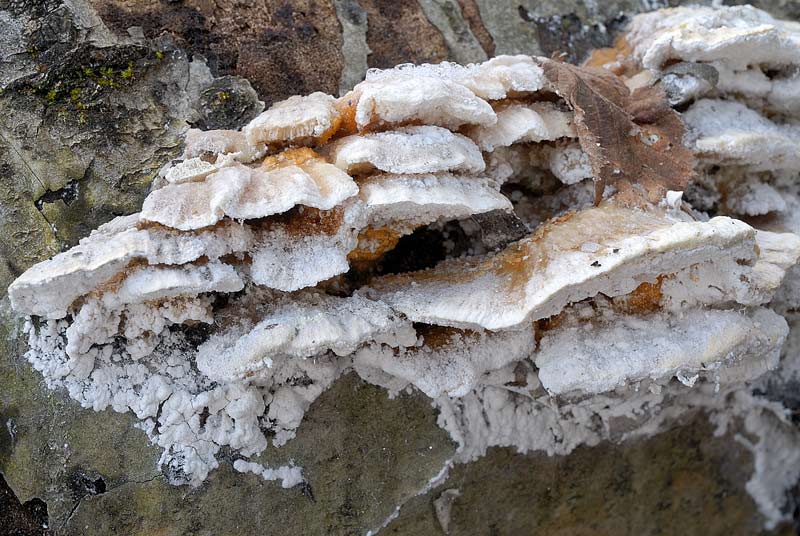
(141, 324)
(503, 77)
(311, 246)
(403, 202)
(50, 287)
(304, 325)
(209, 144)
(528, 163)
(410, 96)
(602, 352)
(754, 55)
(737, 35)
(499, 78)
(306, 247)
(449, 362)
(445, 94)
(190, 170)
(778, 253)
(395, 205)
(149, 283)
(608, 249)
(568, 162)
(729, 133)
(103, 309)
(754, 198)
(736, 71)
(520, 123)
(256, 273)
(296, 177)
(206, 151)
(422, 149)
(296, 120)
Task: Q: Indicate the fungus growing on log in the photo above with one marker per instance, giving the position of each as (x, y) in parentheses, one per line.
(270, 260)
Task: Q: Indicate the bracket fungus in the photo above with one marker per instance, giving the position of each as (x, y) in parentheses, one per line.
(736, 70)
(268, 261)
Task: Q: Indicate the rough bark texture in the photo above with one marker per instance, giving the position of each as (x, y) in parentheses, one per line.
(96, 95)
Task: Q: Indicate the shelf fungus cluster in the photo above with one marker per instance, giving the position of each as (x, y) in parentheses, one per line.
(509, 238)
(735, 73)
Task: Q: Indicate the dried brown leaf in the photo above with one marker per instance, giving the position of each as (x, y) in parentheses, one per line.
(634, 141)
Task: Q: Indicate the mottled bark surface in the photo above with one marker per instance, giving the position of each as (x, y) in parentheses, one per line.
(95, 97)
(282, 48)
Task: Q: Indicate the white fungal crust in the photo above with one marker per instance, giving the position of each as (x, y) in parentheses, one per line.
(569, 163)
(423, 149)
(408, 201)
(738, 35)
(496, 79)
(190, 170)
(525, 163)
(305, 326)
(503, 76)
(452, 367)
(407, 97)
(777, 254)
(148, 283)
(737, 70)
(244, 193)
(777, 91)
(755, 198)
(590, 356)
(276, 240)
(753, 56)
(47, 289)
(98, 321)
(300, 120)
(139, 307)
(735, 277)
(298, 254)
(203, 143)
(538, 276)
(289, 475)
(520, 123)
(50, 287)
(728, 132)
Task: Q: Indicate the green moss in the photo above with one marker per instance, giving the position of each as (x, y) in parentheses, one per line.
(220, 99)
(80, 86)
(127, 73)
(76, 97)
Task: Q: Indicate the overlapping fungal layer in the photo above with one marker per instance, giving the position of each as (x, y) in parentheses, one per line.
(221, 311)
(736, 70)
(230, 246)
